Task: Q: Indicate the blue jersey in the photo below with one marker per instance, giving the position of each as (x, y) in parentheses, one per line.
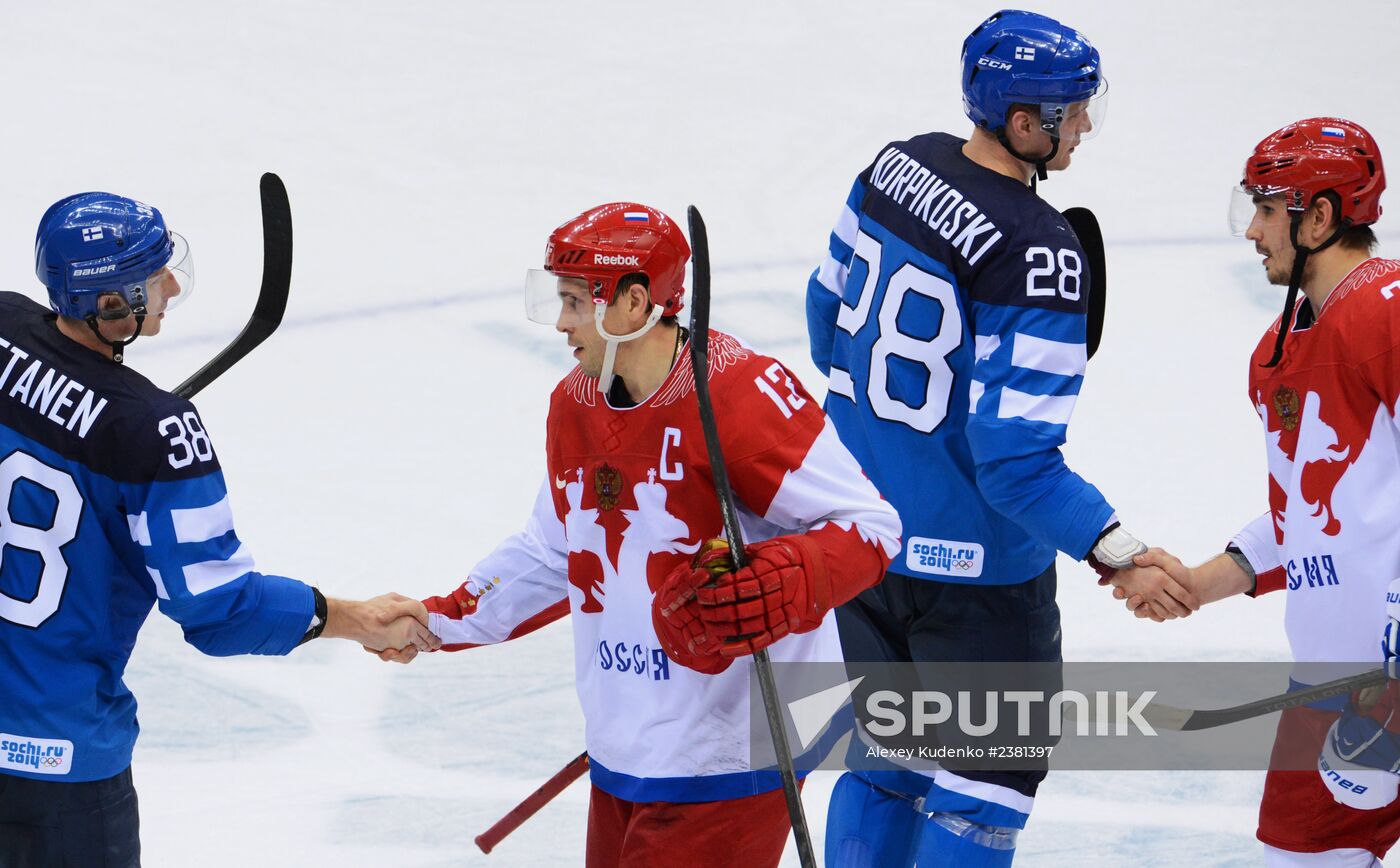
(111, 499)
(950, 318)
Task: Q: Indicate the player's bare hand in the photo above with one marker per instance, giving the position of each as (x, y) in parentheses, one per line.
(1162, 584)
(1137, 605)
(387, 621)
(406, 631)
(403, 622)
(390, 607)
(394, 655)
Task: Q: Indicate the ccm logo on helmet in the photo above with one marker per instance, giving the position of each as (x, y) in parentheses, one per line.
(993, 63)
(88, 272)
(605, 259)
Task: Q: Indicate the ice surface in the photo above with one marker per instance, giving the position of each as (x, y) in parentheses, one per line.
(392, 431)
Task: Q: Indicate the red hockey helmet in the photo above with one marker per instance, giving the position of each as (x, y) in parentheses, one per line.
(1315, 156)
(606, 243)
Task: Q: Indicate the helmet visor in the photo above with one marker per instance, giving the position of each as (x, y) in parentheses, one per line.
(168, 286)
(173, 284)
(1079, 121)
(557, 299)
(1250, 203)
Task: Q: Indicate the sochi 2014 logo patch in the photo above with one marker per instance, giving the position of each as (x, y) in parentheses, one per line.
(942, 557)
(1286, 405)
(44, 756)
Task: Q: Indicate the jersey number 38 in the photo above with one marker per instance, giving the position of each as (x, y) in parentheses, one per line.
(47, 543)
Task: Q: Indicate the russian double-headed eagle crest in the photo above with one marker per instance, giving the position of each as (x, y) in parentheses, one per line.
(1286, 405)
(607, 486)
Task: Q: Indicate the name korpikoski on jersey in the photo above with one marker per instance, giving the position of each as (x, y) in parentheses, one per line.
(934, 201)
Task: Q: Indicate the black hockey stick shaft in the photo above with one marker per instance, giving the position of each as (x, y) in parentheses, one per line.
(1208, 718)
(1086, 228)
(700, 366)
(272, 297)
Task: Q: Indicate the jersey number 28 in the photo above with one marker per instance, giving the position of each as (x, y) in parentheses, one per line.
(925, 415)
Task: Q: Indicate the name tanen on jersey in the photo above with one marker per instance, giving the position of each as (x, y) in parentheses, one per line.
(55, 396)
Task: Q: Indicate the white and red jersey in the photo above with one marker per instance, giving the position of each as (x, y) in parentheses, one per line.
(629, 497)
(1332, 533)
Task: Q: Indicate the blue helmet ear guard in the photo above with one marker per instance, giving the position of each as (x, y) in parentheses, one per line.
(1017, 57)
(94, 244)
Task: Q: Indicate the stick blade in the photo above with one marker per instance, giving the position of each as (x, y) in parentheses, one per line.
(277, 251)
(272, 296)
(1086, 229)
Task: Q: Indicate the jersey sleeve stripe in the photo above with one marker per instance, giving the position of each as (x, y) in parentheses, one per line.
(832, 276)
(1052, 409)
(140, 529)
(161, 592)
(847, 225)
(202, 523)
(839, 383)
(208, 575)
(1051, 357)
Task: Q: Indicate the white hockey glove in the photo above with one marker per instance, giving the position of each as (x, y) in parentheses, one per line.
(1360, 762)
(1114, 551)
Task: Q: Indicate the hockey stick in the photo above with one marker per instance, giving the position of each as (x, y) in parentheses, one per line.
(1086, 228)
(272, 298)
(533, 802)
(1161, 716)
(700, 366)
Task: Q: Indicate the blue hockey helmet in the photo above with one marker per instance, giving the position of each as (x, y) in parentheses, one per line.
(1017, 57)
(92, 244)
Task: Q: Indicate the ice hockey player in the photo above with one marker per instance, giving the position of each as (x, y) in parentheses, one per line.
(1325, 381)
(112, 500)
(950, 317)
(622, 537)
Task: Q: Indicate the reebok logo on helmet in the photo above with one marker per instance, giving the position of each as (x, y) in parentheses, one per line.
(605, 259)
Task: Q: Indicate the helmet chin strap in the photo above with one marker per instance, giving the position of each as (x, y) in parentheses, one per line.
(1295, 281)
(1041, 173)
(118, 346)
(600, 308)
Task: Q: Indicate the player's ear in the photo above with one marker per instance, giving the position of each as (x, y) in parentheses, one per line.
(638, 301)
(1321, 218)
(1019, 123)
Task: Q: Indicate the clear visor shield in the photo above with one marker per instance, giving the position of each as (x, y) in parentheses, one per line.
(171, 284)
(1078, 121)
(1249, 203)
(553, 299)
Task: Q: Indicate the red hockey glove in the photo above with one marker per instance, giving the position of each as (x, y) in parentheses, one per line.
(676, 618)
(713, 612)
